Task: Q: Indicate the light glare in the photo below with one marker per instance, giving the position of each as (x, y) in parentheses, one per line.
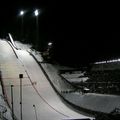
(50, 43)
(108, 61)
(21, 12)
(36, 12)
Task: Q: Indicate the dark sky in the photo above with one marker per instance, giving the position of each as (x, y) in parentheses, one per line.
(77, 29)
(9, 11)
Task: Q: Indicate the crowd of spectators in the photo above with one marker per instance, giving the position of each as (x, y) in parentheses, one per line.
(105, 82)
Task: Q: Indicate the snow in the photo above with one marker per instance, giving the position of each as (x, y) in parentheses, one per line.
(19, 45)
(91, 101)
(4, 109)
(43, 95)
(60, 84)
(74, 79)
(95, 102)
(36, 90)
(74, 76)
(68, 75)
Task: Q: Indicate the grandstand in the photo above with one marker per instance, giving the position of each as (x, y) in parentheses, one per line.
(104, 77)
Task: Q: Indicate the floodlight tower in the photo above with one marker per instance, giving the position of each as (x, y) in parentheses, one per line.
(22, 22)
(36, 13)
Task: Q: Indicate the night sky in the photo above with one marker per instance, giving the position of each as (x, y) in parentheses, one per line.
(76, 29)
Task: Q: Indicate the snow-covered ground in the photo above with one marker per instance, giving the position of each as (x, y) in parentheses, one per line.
(36, 90)
(4, 109)
(74, 77)
(90, 101)
(94, 102)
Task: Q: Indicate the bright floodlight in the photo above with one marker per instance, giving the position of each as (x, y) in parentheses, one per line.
(21, 12)
(50, 43)
(36, 12)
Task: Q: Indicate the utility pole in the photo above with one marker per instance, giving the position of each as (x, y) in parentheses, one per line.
(21, 76)
(22, 23)
(35, 112)
(36, 13)
(12, 101)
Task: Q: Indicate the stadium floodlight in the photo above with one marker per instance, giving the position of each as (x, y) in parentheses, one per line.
(50, 44)
(22, 12)
(36, 12)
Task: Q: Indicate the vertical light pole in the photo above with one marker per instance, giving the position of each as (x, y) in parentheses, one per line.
(22, 22)
(50, 45)
(12, 101)
(21, 76)
(49, 49)
(35, 112)
(36, 13)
